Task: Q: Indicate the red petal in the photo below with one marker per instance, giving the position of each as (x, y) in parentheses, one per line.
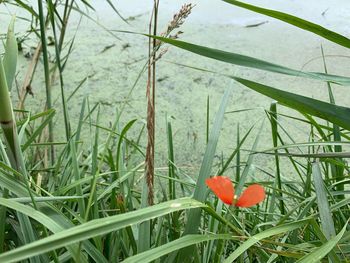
(222, 188)
(253, 195)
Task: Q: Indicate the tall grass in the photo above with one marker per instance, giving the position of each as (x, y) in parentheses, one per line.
(84, 202)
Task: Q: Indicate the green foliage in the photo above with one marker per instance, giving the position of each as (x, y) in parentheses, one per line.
(296, 21)
(251, 62)
(10, 57)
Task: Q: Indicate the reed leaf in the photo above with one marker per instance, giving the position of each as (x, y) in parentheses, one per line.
(274, 132)
(248, 166)
(336, 114)
(251, 62)
(96, 228)
(265, 234)
(296, 21)
(62, 222)
(201, 189)
(319, 253)
(165, 249)
(44, 219)
(322, 201)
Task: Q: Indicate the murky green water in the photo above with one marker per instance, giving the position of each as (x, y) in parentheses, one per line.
(181, 92)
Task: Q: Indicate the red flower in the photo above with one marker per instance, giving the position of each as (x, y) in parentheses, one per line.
(223, 188)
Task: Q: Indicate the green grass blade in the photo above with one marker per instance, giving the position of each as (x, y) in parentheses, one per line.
(265, 234)
(28, 8)
(144, 229)
(337, 170)
(80, 85)
(77, 175)
(119, 147)
(88, 4)
(318, 232)
(327, 111)
(39, 130)
(116, 11)
(96, 228)
(182, 242)
(322, 200)
(118, 181)
(9, 182)
(46, 73)
(51, 11)
(44, 218)
(25, 200)
(200, 191)
(236, 151)
(28, 233)
(246, 61)
(248, 166)
(171, 160)
(81, 120)
(274, 132)
(213, 227)
(296, 21)
(208, 120)
(205, 170)
(322, 251)
(95, 168)
(238, 155)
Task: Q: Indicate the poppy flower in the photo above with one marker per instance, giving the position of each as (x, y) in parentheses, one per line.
(223, 189)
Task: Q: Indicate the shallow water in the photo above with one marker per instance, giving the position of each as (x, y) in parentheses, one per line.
(181, 92)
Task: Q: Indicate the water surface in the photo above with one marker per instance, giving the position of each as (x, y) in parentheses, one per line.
(181, 92)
